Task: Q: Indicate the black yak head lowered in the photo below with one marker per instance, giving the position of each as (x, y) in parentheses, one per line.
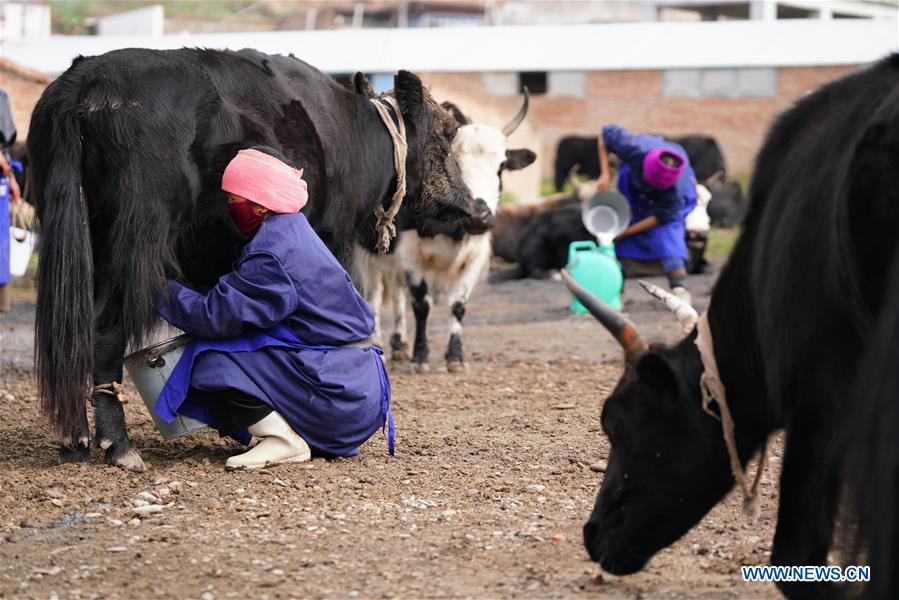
(668, 465)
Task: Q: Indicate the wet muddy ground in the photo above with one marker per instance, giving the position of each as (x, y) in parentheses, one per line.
(496, 472)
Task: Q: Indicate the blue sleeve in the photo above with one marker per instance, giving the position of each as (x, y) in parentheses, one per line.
(259, 293)
(669, 205)
(621, 142)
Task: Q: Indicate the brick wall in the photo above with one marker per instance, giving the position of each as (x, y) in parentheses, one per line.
(634, 100)
(24, 88)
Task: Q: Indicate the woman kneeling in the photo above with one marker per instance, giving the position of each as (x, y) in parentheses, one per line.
(279, 348)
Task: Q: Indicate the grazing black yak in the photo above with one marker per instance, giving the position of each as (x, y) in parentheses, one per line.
(806, 339)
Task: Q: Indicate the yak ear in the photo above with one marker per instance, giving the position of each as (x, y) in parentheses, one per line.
(457, 114)
(519, 159)
(362, 85)
(655, 371)
(409, 93)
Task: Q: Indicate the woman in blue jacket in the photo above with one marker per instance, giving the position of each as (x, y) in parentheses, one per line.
(9, 194)
(656, 178)
(279, 349)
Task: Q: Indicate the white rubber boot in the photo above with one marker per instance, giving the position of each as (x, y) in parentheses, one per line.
(278, 444)
(683, 294)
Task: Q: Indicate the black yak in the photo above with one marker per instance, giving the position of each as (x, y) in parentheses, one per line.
(127, 151)
(804, 324)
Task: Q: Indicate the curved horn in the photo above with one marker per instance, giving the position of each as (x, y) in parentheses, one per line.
(572, 175)
(512, 125)
(618, 325)
(715, 179)
(685, 313)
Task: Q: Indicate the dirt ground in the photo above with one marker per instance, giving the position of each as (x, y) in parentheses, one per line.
(492, 482)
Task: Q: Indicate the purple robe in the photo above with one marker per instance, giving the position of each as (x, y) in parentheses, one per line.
(671, 206)
(280, 328)
(5, 275)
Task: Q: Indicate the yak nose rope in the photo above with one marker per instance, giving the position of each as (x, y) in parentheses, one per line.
(713, 390)
(386, 223)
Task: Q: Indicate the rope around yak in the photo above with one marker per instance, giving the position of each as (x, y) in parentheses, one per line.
(386, 224)
(713, 390)
(114, 388)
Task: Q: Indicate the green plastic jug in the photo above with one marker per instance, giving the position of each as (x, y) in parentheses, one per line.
(597, 269)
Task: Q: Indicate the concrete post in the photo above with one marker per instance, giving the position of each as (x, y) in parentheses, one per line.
(765, 10)
(649, 11)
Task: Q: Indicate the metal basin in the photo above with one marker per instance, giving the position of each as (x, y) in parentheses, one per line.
(149, 369)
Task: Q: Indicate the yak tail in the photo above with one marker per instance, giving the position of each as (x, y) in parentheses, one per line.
(64, 312)
(872, 453)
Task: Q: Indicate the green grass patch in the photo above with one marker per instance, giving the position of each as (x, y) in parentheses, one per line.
(743, 180)
(721, 242)
(70, 16)
(547, 187)
(508, 198)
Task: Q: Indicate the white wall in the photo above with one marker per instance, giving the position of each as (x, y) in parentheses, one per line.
(24, 21)
(149, 21)
(620, 46)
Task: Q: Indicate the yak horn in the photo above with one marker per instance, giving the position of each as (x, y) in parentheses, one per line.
(715, 179)
(618, 325)
(685, 313)
(512, 125)
(572, 175)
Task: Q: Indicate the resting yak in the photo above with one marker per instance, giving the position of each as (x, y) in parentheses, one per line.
(127, 152)
(536, 236)
(804, 324)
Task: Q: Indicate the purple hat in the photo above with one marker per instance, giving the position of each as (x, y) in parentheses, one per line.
(657, 173)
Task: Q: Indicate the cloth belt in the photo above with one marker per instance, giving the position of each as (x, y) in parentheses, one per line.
(386, 408)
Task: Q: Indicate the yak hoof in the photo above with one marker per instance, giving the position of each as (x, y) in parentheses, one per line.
(80, 452)
(421, 367)
(76, 447)
(400, 355)
(126, 457)
(455, 366)
(399, 347)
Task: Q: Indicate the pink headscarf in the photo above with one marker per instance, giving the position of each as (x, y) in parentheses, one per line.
(266, 181)
(657, 173)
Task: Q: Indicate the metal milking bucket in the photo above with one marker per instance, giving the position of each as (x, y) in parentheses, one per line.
(149, 369)
(605, 215)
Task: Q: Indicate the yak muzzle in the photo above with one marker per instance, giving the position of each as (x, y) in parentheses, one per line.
(482, 218)
(600, 546)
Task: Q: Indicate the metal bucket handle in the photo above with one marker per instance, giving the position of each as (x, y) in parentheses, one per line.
(154, 354)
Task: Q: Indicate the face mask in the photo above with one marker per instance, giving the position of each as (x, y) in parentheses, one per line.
(247, 216)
